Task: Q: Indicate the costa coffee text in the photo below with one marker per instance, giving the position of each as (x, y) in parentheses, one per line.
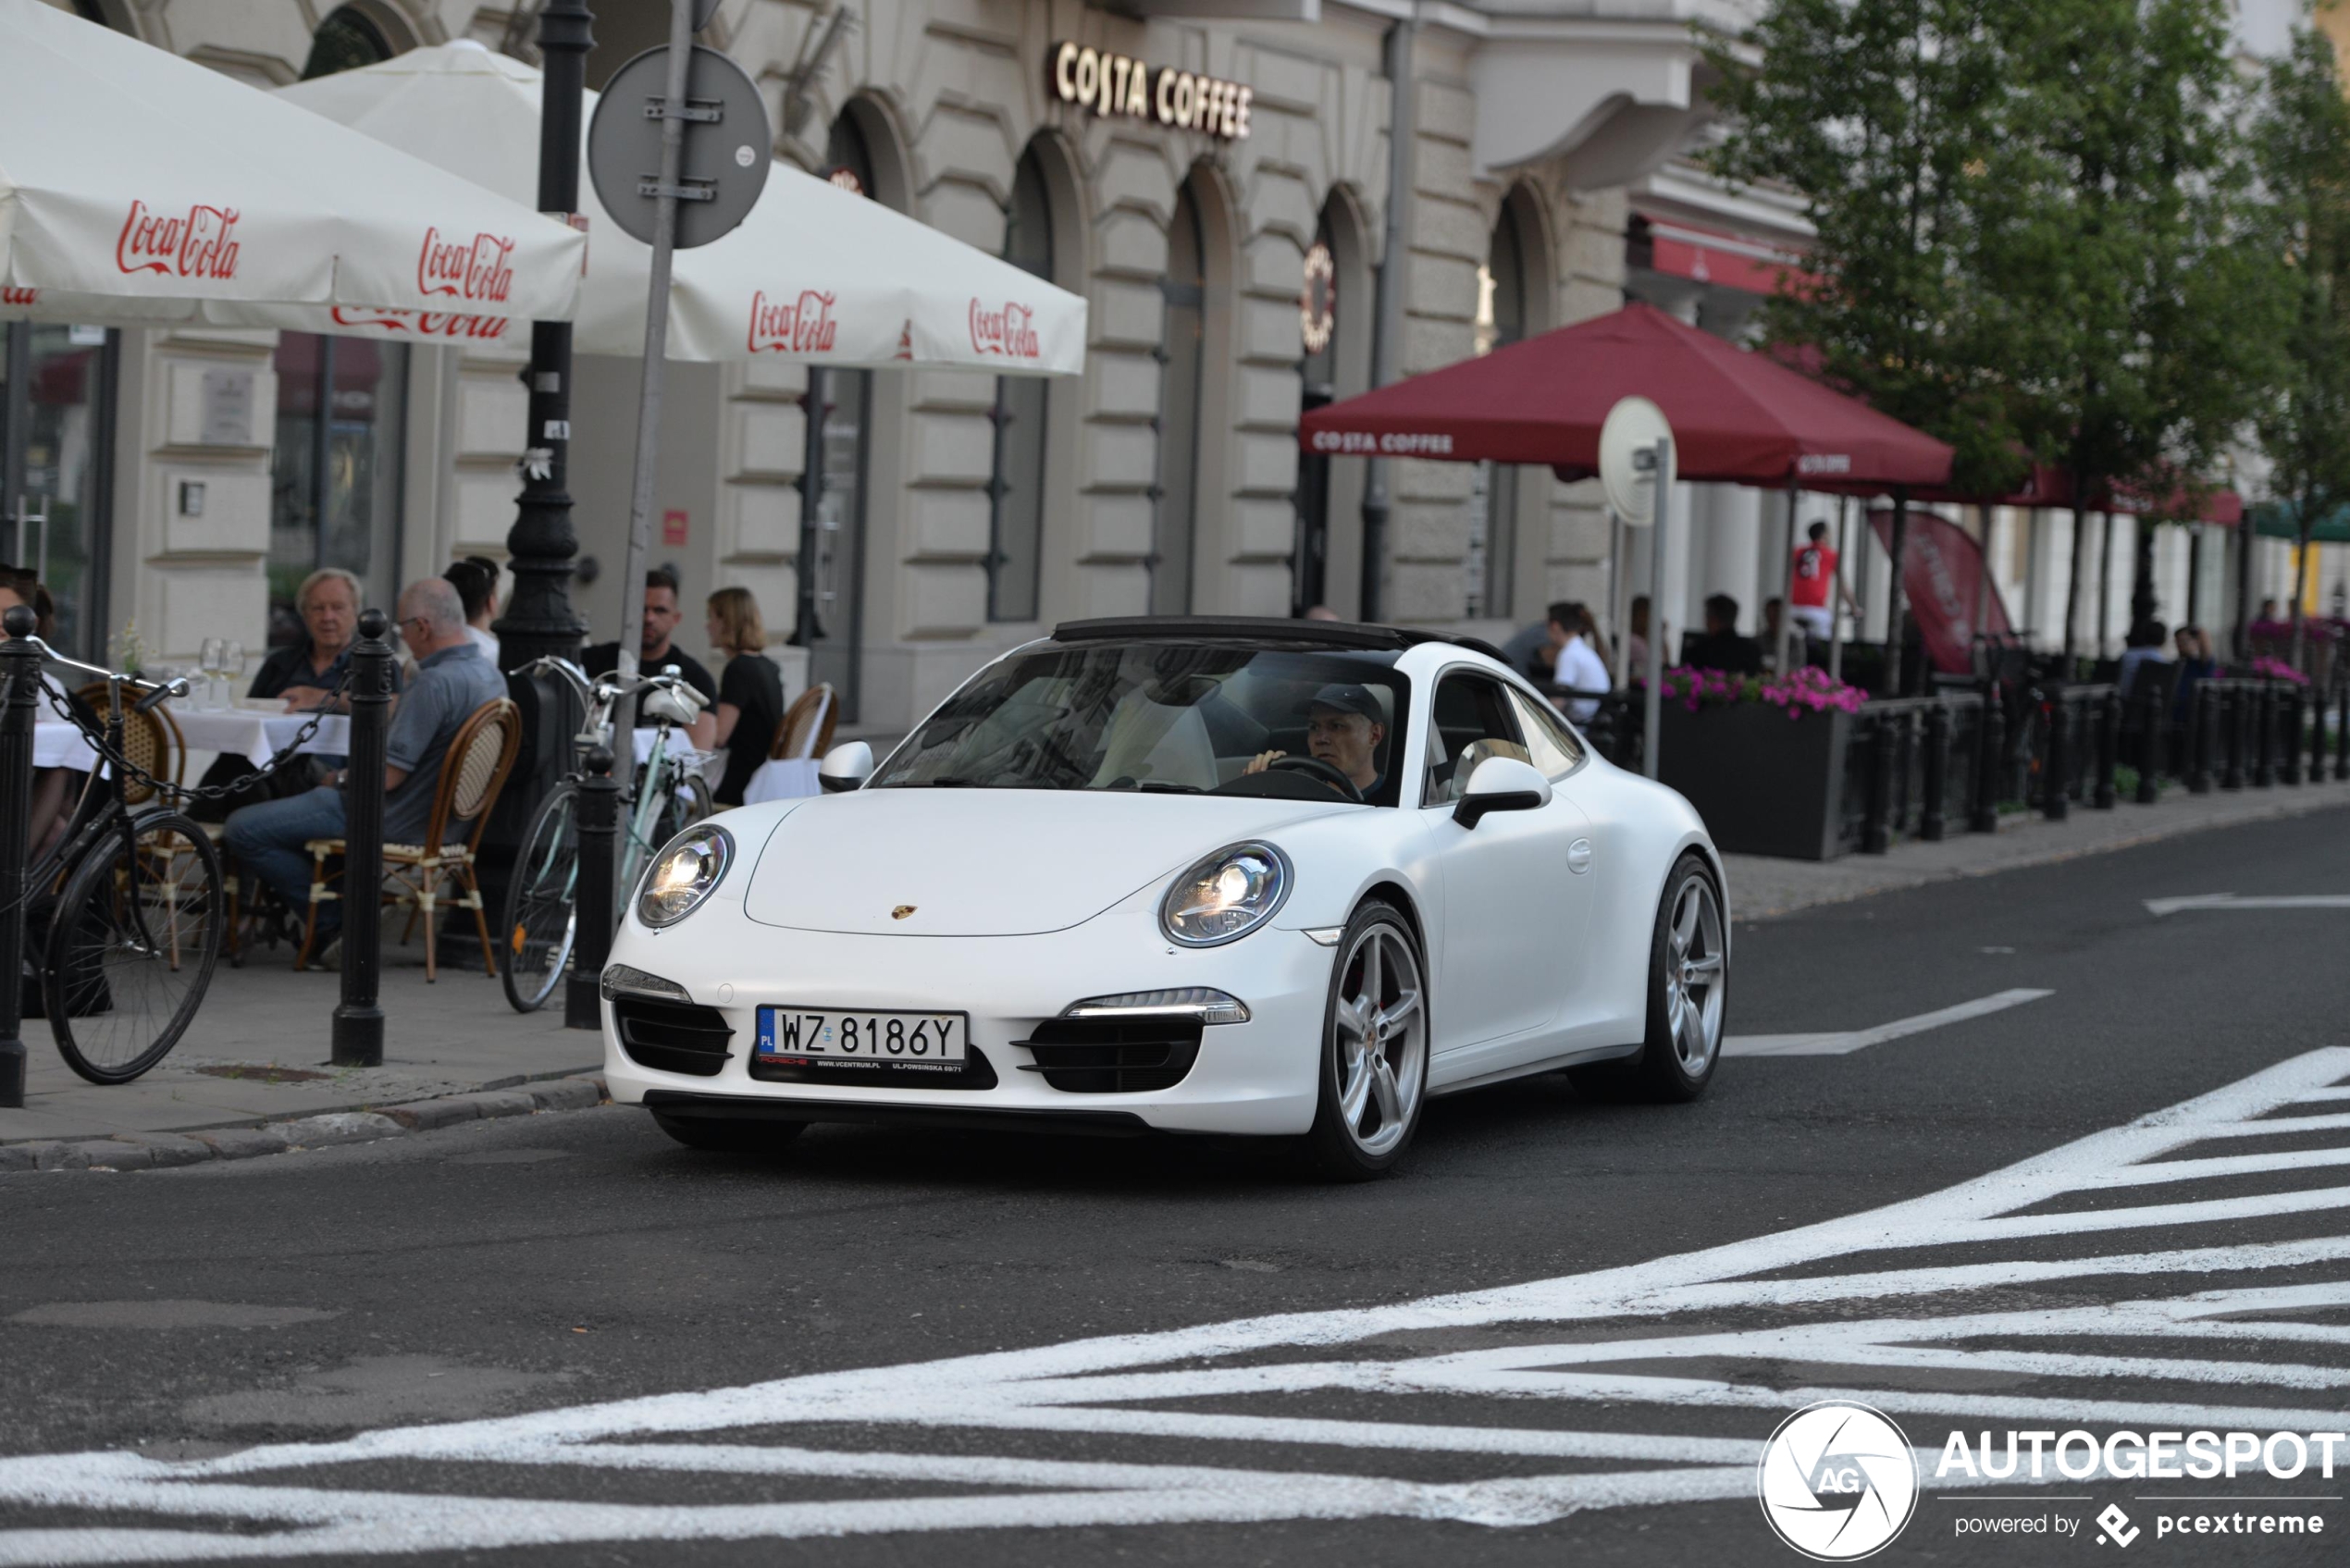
(804, 326)
(199, 244)
(1011, 331)
(1115, 84)
(469, 269)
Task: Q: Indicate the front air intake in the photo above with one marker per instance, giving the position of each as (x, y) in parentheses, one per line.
(672, 1036)
(1117, 1056)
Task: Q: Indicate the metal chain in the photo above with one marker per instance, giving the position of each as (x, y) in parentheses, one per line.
(131, 770)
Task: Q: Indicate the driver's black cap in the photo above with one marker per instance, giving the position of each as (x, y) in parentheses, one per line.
(1346, 698)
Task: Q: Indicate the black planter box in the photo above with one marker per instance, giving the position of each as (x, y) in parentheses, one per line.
(1765, 783)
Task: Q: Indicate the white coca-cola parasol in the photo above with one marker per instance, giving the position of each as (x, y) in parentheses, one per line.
(815, 274)
(138, 187)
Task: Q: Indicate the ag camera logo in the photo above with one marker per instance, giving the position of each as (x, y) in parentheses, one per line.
(1838, 1481)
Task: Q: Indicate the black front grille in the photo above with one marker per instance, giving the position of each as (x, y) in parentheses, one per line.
(1115, 1056)
(672, 1036)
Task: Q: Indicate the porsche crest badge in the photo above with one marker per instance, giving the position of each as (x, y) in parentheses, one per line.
(901, 911)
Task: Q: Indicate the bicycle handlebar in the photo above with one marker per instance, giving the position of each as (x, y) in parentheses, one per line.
(176, 686)
(54, 656)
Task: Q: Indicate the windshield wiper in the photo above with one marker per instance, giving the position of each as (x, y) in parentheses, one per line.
(937, 784)
(1162, 786)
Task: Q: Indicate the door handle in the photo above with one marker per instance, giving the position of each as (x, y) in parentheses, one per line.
(1579, 856)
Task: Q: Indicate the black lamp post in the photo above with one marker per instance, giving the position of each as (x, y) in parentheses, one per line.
(539, 618)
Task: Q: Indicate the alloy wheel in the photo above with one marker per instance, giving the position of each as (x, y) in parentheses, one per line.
(1693, 976)
(1379, 1044)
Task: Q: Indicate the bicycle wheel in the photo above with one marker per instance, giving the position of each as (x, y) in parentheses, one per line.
(539, 927)
(133, 947)
(689, 803)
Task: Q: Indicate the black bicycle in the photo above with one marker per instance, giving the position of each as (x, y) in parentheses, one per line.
(132, 903)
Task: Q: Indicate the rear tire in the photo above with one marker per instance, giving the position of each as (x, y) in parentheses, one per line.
(718, 1136)
(1687, 997)
(538, 930)
(1373, 1064)
(127, 974)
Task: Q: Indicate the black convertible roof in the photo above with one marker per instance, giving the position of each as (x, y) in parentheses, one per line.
(1263, 628)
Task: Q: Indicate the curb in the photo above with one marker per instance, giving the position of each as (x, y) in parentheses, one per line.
(159, 1150)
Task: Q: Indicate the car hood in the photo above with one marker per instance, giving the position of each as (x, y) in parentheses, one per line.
(989, 862)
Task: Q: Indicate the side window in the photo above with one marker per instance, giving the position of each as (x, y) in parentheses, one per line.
(1549, 742)
(1469, 720)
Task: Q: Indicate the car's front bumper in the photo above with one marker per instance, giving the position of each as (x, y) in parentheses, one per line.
(1258, 1076)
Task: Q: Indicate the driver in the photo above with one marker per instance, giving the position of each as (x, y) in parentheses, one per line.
(1345, 727)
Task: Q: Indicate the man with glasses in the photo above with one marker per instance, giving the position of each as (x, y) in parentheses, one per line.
(1345, 727)
(453, 679)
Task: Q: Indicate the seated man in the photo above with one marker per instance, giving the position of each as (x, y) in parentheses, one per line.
(1720, 647)
(1345, 727)
(453, 679)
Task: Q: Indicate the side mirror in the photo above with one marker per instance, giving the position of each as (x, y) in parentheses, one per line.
(844, 767)
(1501, 783)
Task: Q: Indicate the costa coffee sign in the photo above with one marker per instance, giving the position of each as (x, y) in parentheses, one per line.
(425, 323)
(1009, 330)
(200, 242)
(466, 269)
(1115, 86)
(804, 326)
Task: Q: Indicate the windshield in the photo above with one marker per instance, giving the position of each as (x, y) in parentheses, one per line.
(1166, 717)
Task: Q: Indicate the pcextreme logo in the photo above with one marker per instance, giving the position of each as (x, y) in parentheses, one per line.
(1838, 1481)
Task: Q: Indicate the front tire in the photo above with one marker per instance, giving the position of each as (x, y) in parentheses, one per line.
(542, 923)
(1687, 996)
(717, 1136)
(1374, 1058)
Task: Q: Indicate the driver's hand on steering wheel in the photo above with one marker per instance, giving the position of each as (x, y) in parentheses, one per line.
(1264, 760)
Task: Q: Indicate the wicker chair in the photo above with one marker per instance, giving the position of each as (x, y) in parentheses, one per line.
(151, 740)
(472, 772)
(807, 729)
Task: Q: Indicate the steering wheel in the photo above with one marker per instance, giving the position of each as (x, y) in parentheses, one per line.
(1321, 772)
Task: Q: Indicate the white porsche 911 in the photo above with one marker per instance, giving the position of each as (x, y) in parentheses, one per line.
(1286, 878)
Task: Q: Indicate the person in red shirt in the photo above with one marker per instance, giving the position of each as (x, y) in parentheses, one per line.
(1816, 587)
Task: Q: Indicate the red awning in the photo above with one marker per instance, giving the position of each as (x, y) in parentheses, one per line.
(1736, 417)
(1725, 261)
(2051, 488)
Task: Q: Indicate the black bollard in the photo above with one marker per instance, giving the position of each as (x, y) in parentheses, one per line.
(2289, 734)
(1990, 741)
(2317, 737)
(1931, 812)
(2150, 755)
(1876, 835)
(2232, 728)
(2056, 790)
(2342, 732)
(359, 1021)
(2109, 746)
(591, 907)
(20, 683)
(2264, 729)
(2203, 736)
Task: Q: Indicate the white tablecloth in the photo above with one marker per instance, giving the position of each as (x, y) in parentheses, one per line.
(782, 779)
(56, 744)
(255, 736)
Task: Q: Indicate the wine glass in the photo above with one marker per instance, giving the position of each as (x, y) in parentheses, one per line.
(232, 669)
(209, 657)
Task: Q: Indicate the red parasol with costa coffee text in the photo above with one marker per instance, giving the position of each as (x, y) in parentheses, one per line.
(138, 187)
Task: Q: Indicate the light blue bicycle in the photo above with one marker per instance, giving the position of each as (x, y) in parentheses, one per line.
(671, 795)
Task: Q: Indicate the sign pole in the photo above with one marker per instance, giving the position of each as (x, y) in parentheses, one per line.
(1652, 701)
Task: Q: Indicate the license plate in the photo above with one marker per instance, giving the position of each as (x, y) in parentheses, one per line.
(888, 1039)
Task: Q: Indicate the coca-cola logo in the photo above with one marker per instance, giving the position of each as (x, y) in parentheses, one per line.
(804, 326)
(468, 269)
(13, 295)
(425, 323)
(1009, 331)
(200, 242)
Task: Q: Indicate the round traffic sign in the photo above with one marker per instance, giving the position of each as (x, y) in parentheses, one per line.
(1627, 458)
(727, 147)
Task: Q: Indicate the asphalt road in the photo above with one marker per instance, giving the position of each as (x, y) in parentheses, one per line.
(890, 1348)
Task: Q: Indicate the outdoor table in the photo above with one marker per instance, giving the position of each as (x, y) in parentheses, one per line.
(56, 744)
(782, 778)
(256, 730)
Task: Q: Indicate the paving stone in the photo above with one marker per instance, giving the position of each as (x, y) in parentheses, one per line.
(566, 1094)
(509, 1103)
(114, 1155)
(243, 1143)
(60, 1157)
(19, 1156)
(170, 1148)
(340, 1126)
(421, 1115)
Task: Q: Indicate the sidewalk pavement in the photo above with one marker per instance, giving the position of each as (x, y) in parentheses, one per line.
(257, 1052)
(1762, 887)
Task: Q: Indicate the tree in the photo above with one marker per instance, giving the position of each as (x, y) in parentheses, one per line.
(2141, 322)
(2301, 150)
(1886, 117)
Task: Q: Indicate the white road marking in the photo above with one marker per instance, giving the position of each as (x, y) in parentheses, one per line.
(1835, 1043)
(1599, 1337)
(2160, 907)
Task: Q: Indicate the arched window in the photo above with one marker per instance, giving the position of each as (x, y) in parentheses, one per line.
(345, 41)
(1184, 286)
(1016, 490)
(1502, 312)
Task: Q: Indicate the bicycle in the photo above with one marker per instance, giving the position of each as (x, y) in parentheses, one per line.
(133, 902)
(670, 796)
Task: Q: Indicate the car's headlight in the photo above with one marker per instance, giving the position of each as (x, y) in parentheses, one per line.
(685, 873)
(1226, 895)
